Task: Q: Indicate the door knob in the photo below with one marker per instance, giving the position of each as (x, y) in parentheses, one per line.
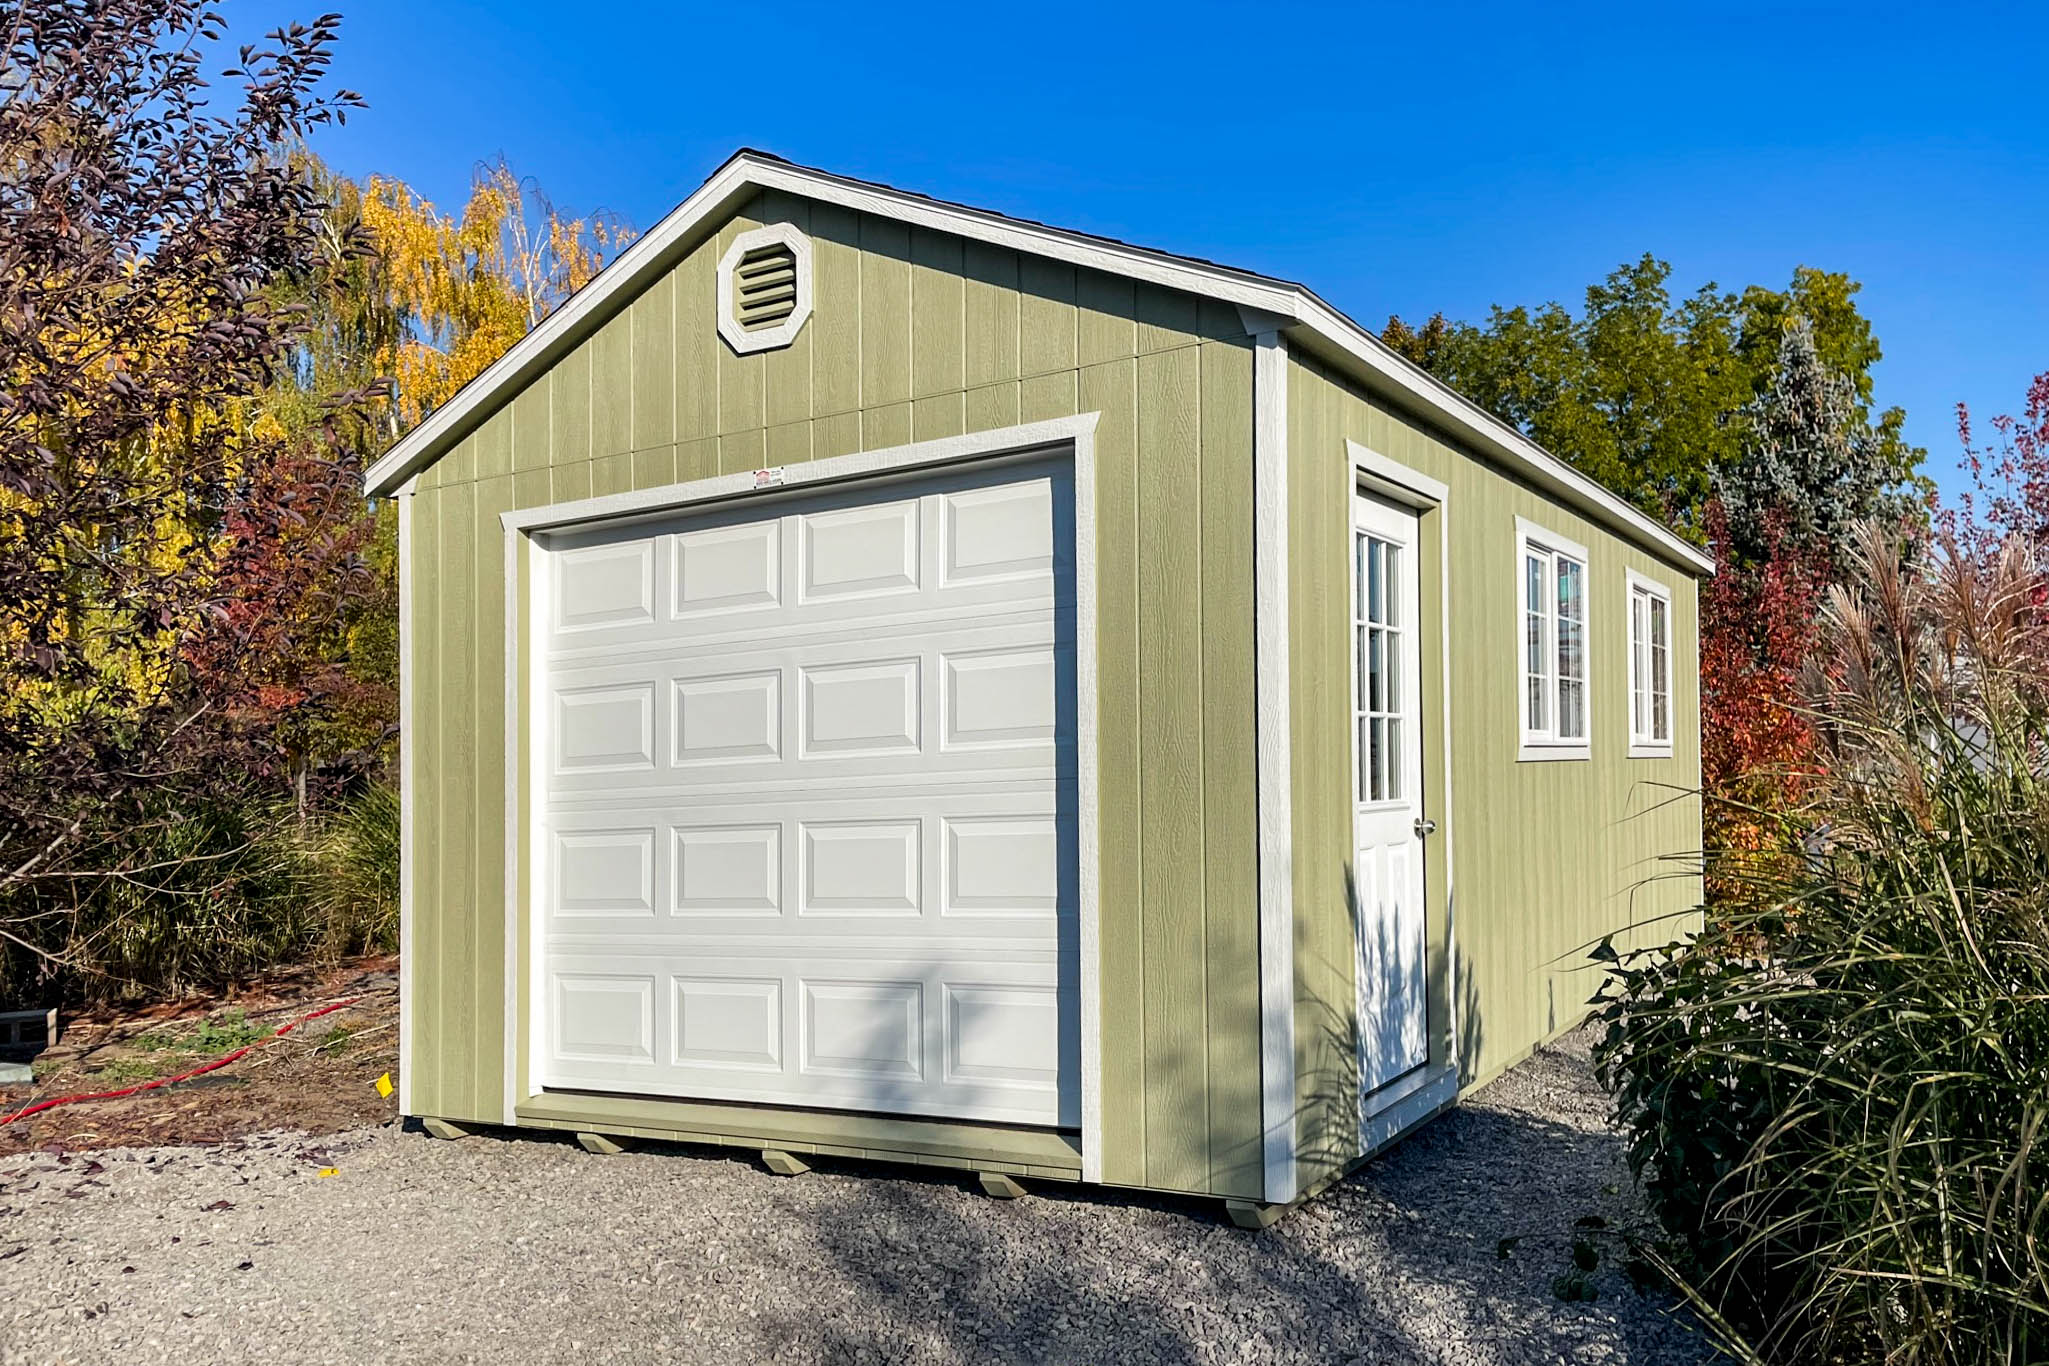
(1425, 826)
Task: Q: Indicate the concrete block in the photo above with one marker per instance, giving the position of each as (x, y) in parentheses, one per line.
(441, 1128)
(605, 1144)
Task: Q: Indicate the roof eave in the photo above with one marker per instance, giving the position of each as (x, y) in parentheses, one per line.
(748, 172)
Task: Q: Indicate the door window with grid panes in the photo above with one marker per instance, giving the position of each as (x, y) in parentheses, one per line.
(1380, 635)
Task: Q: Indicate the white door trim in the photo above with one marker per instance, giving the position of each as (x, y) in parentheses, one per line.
(1403, 483)
(1273, 738)
(1077, 434)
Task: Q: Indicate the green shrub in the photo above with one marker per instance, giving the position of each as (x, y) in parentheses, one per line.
(1838, 1101)
(354, 874)
(198, 897)
(192, 897)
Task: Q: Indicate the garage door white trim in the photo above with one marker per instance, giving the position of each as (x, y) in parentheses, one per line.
(1064, 437)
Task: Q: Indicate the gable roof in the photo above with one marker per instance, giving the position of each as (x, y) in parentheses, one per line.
(1293, 308)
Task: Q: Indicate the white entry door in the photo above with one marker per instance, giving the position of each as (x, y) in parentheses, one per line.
(807, 818)
(1388, 765)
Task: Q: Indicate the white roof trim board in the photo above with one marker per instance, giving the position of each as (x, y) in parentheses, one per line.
(1294, 306)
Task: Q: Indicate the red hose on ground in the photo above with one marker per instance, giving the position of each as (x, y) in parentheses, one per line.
(198, 1071)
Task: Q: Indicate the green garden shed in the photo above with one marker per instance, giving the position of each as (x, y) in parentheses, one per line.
(886, 679)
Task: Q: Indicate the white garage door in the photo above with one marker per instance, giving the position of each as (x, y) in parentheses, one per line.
(808, 813)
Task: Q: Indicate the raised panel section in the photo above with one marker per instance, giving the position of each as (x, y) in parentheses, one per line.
(729, 870)
(1004, 532)
(729, 1022)
(605, 585)
(729, 719)
(605, 872)
(853, 552)
(806, 840)
(865, 1029)
(1003, 1035)
(600, 1018)
(862, 867)
(728, 569)
(604, 729)
(861, 708)
(1002, 866)
(1000, 698)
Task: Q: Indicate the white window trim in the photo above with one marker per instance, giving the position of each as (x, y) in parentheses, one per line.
(1642, 746)
(784, 332)
(1538, 746)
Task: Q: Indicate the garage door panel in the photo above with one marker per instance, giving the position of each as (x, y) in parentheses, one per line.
(727, 1022)
(605, 1018)
(726, 870)
(809, 826)
(723, 572)
(726, 718)
(607, 872)
(1001, 534)
(999, 864)
(859, 552)
(605, 586)
(863, 708)
(872, 1033)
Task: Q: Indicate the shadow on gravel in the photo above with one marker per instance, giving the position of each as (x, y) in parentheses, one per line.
(1398, 1264)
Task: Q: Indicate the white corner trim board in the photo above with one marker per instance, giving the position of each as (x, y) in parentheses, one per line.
(408, 804)
(1292, 306)
(1064, 438)
(1273, 737)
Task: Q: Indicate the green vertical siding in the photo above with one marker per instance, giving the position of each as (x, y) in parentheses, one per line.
(1548, 856)
(914, 335)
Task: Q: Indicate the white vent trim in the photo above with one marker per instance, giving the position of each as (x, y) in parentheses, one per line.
(744, 340)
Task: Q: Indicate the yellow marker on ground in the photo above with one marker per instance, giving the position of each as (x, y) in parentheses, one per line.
(384, 1085)
(328, 1171)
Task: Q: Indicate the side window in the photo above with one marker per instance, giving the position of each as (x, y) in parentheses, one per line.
(1552, 644)
(1650, 667)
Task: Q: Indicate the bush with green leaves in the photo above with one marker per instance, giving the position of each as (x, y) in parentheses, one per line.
(1837, 1099)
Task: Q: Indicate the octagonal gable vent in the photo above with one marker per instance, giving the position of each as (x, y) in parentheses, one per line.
(764, 284)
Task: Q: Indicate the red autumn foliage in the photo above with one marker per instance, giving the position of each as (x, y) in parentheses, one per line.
(1757, 748)
(295, 592)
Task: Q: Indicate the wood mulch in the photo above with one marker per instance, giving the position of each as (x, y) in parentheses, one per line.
(319, 1078)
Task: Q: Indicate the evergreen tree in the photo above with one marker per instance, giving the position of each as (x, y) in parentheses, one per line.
(1809, 465)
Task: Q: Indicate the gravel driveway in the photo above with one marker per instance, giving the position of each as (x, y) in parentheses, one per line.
(531, 1250)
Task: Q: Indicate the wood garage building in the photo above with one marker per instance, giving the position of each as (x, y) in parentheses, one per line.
(887, 679)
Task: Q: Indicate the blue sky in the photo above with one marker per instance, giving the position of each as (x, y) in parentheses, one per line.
(1396, 158)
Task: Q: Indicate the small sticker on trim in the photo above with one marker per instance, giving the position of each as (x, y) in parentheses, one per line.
(769, 478)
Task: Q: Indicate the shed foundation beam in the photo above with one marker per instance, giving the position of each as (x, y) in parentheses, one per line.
(782, 1163)
(1254, 1214)
(1000, 1185)
(441, 1128)
(605, 1145)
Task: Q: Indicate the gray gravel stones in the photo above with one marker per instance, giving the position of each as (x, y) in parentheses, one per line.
(530, 1249)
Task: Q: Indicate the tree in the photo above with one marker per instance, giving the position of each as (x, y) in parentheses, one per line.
(471, 285)
(1757, 747)
(1646, 393)
(142, 230)
(1809, 468)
